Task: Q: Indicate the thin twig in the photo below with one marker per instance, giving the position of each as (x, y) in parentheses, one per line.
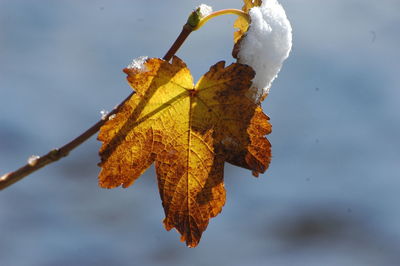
(56, 154)
(186, 30)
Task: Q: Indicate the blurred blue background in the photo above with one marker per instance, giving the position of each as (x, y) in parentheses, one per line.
(330, 197)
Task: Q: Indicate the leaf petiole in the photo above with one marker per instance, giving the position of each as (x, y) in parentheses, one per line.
(237, 12)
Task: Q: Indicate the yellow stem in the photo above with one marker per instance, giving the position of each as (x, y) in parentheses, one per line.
(220, 13)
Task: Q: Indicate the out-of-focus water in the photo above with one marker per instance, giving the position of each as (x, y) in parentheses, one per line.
(330, 196)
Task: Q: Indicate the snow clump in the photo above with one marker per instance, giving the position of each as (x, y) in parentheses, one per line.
(266, 45)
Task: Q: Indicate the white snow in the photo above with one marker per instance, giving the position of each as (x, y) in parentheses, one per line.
(104, 114)
(112, 117)
(32, 160)
(4, 177)
(138, 64)
(204, 10)
(266, 45)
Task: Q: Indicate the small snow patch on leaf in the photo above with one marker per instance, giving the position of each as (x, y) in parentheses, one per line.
(138, 64)
(112, 117)
(104, 114)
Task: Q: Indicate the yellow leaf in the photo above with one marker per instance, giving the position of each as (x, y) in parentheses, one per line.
(241, 24)
(189, 131)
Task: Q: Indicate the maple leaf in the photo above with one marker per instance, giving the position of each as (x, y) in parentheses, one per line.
(189, 131)
(241, 24)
